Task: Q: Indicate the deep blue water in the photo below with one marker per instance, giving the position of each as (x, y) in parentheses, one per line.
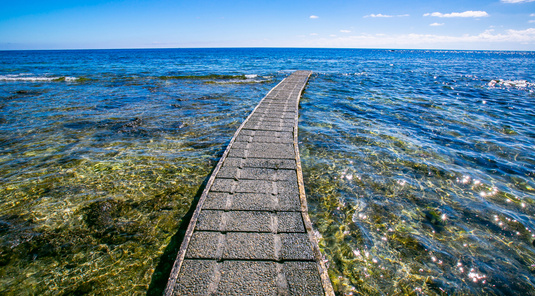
(419, 165)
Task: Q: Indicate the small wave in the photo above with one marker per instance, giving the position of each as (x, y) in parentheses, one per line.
(251, 76)
(25, 78)
(355, 74)
(205, 77)
(512, 83)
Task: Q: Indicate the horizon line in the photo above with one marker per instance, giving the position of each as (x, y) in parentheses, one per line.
(264, 47)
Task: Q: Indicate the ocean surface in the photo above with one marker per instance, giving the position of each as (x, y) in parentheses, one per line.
(419, 165)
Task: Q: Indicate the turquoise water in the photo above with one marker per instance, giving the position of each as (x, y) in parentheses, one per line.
(419, 165)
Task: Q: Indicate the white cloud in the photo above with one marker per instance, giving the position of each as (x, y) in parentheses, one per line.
(531, 21)
(314, 17)
(313, 34)
(486, 39)
(385, 15)
(469, 13)
(378, 15)
(517, 1)
(533, 14)
(345, 31)
(436, 24)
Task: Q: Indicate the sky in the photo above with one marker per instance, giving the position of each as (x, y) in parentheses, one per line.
(410, 24)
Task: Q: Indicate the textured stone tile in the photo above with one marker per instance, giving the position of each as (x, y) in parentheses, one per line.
(247, 132)
(203, 245)
(242, 245)
(259, 174)
(303, 278)
(288, 188)
(270, 163)
(254, 186)
(260, 139)
(195, 277)
(216, 200)
(287, 175)
(239, 153)
(247, 278)
(272, 121)
(253, 202)
(266, 109)
(246, 221)
(268, 112)
(288, 202)
(274, 134)
(269, 150)
(228, 172)
(290, 222)
(209, 220)
(244, 138)
(296, 246)
(285, 115)
(240, 145)
(222, 185)
(269, 120)
(266, 127)
(235, 221)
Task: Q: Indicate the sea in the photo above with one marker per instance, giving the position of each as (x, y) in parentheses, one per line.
(419, 165)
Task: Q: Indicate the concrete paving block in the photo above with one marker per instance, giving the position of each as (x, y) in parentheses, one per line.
(303, 278)
(296, 246)
(253, 186)
(216, 200)
(266, 127)
(240, 145)
(250, 246)
(222, 185)
(290, 222)
(275, 134)
(246, 221)
(239, 153)
(203, 245)
(269, 150)
(253, 202)
(288, 202)
(247, 278)
(287, 175)
(235, 221)
(209, 220)
(195, 277)
(228, 172)
(260, 139)
(259, 174)
(270, 163)
(287, 187)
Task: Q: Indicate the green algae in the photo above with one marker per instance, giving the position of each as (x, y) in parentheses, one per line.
(93, 196)
(400, 216)
(202, 77)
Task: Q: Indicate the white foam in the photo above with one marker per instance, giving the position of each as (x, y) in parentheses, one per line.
(512, 83)
(26, 78)
(251, 76)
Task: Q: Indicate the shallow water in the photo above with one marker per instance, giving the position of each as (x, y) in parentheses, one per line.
(419, 165)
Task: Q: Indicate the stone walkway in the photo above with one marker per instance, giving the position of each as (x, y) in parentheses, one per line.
(250, 233)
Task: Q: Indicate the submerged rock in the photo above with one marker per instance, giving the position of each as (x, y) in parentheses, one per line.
(131, 126)
(107, 222)
(100, 215)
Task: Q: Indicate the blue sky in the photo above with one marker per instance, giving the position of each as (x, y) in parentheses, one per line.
(426, 24)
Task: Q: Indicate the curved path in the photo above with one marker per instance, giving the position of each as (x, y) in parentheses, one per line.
(250, 233)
